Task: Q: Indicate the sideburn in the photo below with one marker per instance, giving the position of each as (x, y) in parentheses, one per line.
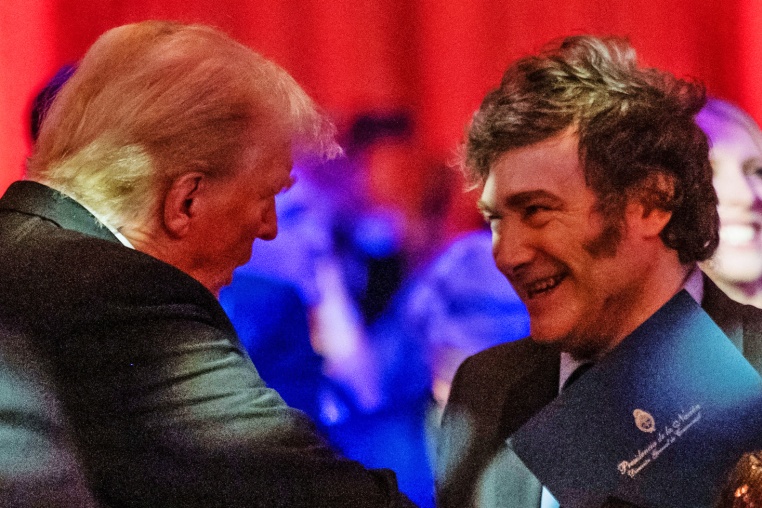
(611, 207)
(605, 245)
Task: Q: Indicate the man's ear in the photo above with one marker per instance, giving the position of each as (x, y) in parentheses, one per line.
(648, 203)
(648, 221)
(180, 202)
(655, 220)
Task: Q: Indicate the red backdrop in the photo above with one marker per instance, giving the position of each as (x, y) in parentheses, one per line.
(434, 58)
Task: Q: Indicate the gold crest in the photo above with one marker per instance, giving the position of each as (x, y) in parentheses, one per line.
(644, 421)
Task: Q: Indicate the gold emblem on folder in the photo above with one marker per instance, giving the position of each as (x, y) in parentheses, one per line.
(644, 421)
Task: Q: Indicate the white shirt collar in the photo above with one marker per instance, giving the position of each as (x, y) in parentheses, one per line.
(119, 236)
(694, 284)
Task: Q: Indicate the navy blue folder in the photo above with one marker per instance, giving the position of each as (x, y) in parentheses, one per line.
(657, 423)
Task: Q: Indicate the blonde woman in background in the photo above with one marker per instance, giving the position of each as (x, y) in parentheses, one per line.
(736, 156)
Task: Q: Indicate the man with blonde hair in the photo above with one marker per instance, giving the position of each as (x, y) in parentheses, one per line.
(155, 169)
(597, 187)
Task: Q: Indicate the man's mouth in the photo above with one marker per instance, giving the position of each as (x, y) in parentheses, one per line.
(543, 286)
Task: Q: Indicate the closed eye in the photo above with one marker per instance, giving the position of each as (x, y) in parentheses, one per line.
(536, 215)
(531, 211)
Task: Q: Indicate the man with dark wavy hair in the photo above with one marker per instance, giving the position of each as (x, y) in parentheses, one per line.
(597, 187)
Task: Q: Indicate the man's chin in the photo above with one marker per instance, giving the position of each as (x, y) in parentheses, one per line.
(215, 285)
(546, 339)
(580, 350)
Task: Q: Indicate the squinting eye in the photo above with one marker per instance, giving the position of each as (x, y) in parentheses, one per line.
(537, 215)
(533, 210)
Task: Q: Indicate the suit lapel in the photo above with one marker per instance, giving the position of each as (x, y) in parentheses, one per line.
(741, 323)
(33, 198)
(507, 482)
(535, 386)
(724, 311)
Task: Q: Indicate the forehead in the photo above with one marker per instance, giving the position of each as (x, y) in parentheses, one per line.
(550, 166)
(270, 163)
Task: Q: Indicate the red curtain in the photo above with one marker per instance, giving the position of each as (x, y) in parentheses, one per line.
(432, 58)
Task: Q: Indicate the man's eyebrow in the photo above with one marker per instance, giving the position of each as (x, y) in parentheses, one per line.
(522, 199)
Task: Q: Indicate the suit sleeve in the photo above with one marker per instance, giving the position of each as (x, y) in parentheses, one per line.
(456, 472)
(175, 414)
(39, 465)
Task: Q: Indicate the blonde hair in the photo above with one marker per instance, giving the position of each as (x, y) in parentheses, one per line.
(153, 100)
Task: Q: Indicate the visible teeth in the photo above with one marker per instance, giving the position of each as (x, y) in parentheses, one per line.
(737, 234)
(543, 285)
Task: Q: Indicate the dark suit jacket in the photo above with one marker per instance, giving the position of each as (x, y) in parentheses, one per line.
(271, 320)
(496, 391)
(39, 465)
(166, 407)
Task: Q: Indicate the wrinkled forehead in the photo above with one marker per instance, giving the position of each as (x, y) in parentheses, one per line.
(269, 164)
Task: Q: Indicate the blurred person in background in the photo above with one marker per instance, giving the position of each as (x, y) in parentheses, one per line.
(456, 306)
(735, 151)
(461, 304)
(343, 254)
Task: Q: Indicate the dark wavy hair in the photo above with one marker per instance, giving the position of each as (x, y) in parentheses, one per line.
(637, 135)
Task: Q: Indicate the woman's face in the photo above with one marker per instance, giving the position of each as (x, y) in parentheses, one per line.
(736, 156)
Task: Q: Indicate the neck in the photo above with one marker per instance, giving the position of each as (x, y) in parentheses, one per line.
(664, 277)
(177, 253)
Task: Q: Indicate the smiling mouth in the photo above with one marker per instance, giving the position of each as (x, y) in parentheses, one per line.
(543, 286)
(738, 234)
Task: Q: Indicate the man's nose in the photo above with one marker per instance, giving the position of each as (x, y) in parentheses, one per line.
(269, 228)
(511, 248)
